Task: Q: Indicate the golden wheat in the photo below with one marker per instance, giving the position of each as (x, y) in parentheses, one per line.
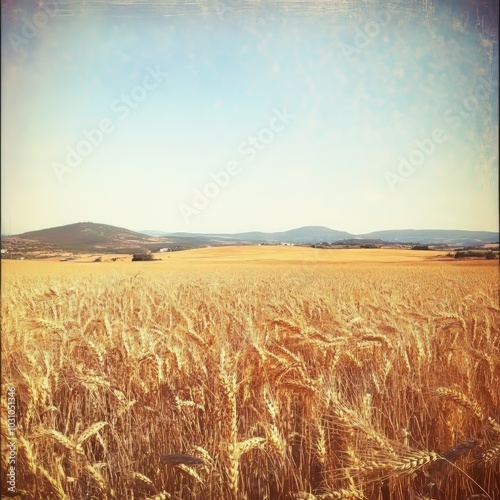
(252, 381)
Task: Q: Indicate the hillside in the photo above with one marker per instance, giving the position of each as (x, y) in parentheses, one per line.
(306, 234)
(321, 234)
(89, 235)
(435, 236)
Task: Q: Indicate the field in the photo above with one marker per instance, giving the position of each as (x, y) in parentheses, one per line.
(253, 373)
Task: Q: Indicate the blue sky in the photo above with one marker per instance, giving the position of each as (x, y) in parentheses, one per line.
(203, 87)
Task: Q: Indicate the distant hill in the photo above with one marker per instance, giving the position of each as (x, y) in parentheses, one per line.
(306, 234)
(435, 236)
(89, 236)
(321, 234)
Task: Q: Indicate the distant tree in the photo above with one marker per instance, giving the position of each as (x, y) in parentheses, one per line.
(144, 257)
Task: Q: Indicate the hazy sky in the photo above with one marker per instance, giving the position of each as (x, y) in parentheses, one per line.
(316, 117)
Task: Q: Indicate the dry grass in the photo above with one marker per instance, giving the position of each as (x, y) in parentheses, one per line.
(191, 378)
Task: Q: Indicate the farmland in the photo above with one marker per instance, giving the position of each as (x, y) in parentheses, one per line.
(254, 373)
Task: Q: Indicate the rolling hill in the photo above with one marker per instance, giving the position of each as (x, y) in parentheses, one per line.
(435, 236)
(89, 236)
(306, 234)
(317, 234)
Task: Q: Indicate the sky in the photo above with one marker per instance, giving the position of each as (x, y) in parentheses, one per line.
(231, 116)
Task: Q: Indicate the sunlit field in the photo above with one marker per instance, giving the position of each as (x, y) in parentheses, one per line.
(254, 373)
(265, 254)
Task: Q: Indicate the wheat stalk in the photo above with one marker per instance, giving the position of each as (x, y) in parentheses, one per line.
(55, 487)
(89, 432)
(341, 494)
(461, 399)
(96, 476)
(492, 454)
(413, 462)
(189, 471)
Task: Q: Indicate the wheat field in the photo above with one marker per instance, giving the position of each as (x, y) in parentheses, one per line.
(254, 374)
